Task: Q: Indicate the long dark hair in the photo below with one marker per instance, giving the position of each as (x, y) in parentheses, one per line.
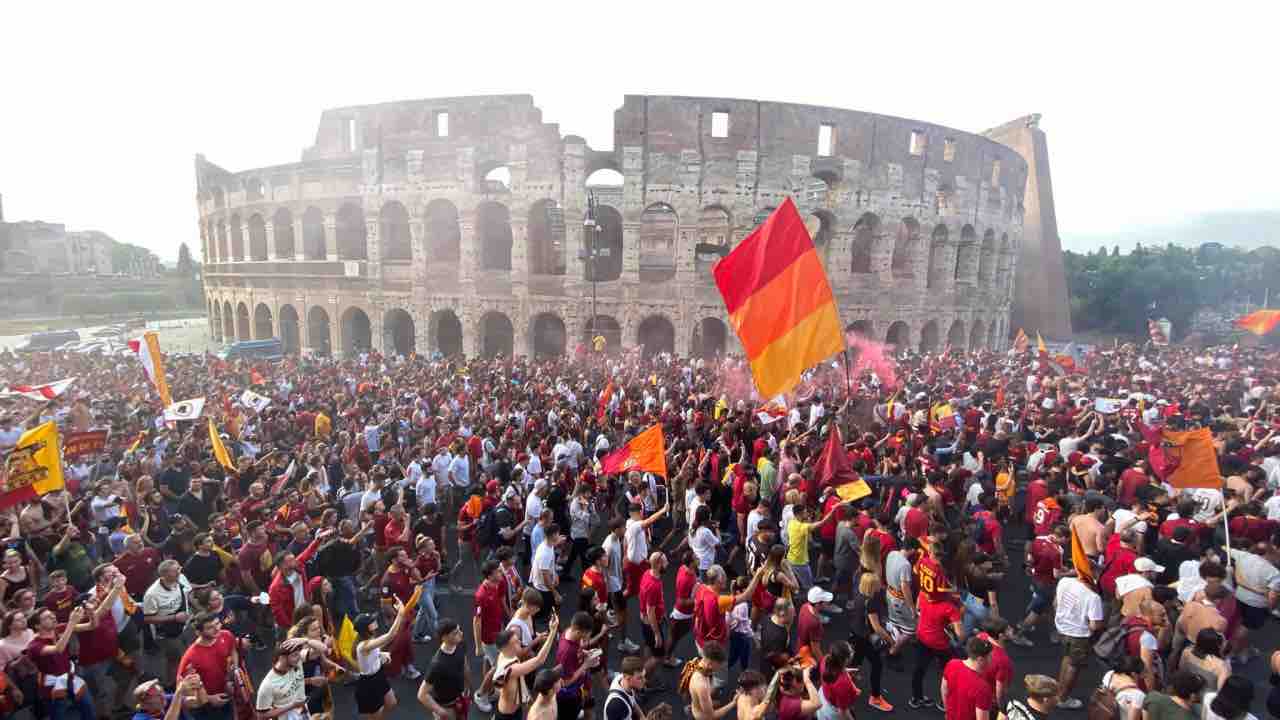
(836, 661)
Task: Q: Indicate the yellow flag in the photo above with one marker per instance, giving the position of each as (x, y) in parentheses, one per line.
(346, 644)
(34, 467)
(1040, 344)
(219, 450)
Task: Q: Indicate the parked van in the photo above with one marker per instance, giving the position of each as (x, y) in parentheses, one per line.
(45, 341)
(270, 349)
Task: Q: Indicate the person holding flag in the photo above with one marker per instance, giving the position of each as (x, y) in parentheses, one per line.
(1078, 617)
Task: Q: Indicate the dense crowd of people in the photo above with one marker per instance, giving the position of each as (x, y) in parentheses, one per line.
(312, 566)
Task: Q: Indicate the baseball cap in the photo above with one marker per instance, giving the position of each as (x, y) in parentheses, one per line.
(818, 595)
(491, 486)
(1144, 564)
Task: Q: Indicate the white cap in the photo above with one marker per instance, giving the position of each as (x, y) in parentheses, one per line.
(1144, 564)
(818, 595)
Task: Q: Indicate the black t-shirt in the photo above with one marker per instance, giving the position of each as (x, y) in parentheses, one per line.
(860, 606)
(202, 569)
(617, 705)
(447, 675)
(774, 640)
(505, 519)
(177, 482)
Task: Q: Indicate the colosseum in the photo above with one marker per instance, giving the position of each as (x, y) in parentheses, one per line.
(470, 225)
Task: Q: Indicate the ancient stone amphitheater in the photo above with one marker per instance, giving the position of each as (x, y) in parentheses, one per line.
(464, 225)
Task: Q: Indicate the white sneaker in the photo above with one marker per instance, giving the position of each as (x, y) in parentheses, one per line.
(482, 703)
(411, 672)
(626, 645)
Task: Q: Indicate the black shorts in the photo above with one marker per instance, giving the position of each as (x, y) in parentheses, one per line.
(651, 640)
(1252, 617)
(371, 692)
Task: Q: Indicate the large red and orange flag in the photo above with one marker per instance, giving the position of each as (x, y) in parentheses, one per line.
(1195, 459)
(647, 452)
(779, 301)
(1021, 342)
(1259, 322)
(1080, 561)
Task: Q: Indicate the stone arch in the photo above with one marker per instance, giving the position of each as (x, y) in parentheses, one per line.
(496, 179)
(493, 235)
(987, 260)
(444, 236)
(357, 331)
(905, 247)
(715, 226)
(290, 335)
(445, 332)
(215, 317)
(977, 336)
(546, 239)
(398, 333)
(319, 335)
(497, 335)
(659, 224)
(547, 336)
(237, 238)
(224, 252)
(656, 334)
(314, 246)
(859, 328)
(864, 241)
(821, 225)
(352, 236)
(263, 328)
(257, 238)
(282, 230)
(604, 326)
(242, 322)
(604, 177)
(898, 335)
(393, 232)
(608, 236)
(966, 256)
(955, 336)
(710, 338)
(929, 337)
(228, 322)
(937, 257)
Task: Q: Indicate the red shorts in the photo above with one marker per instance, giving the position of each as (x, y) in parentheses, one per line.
(632, 573)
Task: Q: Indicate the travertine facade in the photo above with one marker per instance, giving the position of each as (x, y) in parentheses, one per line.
(457, 224)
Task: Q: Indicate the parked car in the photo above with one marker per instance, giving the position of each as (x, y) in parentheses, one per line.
(46, 341)
(270, 349)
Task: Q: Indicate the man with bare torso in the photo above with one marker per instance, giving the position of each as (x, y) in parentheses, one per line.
(1088, 526)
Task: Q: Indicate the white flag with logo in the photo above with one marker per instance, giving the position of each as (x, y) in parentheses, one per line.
(251, 399)
(184, 410)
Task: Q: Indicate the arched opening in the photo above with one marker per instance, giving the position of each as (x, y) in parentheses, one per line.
(493, 234)
(228, 323)
(929, 337)
(709, 338)
(817, 192)
(262, 328)
(445, 330)
(318, 333)
(608, 239)
(398, 332)
(393, 233)
(904, 249)
(546, 239)
(289, 331)
(313, 242)
(1004, 267)
(899, 335)
(656, 335)
(937, 257)
(658, 226)
(864, 238)
(604, 178)
(237, 239)
(282, 229)
(820, 224)
(257, 238)
(715, 235)
(353, 237)
(955, 336)
(606, 327)
(242, 322)
(547, 336)
(987, 260)
(966, 256)
(993, 336)
(357, 332)
(224, 252)
(215, 316)
(498, 179)
(254, 189)
(977, 336)
(859, 328)
(497, 336)
(444, 236)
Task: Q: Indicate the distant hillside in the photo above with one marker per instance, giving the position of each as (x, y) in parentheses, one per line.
(1245, 229)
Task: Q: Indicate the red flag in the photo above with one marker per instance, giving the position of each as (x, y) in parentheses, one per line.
(1161, 464)
(834, 469)
(1000, 396)
(645, 452)
(605, 397)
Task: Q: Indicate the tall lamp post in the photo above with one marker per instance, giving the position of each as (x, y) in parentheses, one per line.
(590, 230)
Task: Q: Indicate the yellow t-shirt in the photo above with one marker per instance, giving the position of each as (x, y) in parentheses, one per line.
(798, 542)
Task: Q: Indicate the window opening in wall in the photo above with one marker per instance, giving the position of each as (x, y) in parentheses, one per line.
(442, 124)
(719, 124)
(825, 135)
(917, 142)
(995, 172)
(351, 134)
(949, 149)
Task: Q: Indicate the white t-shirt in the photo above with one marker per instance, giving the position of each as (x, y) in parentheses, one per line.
(1272, 506)
(703, 543)
(1125, 521)
(460, 468)
(104, 508)
(1128, 698)
(1077, 606)
(425, 489)
(637, 542)
(440, 466)
(523, 629)
(277, 690)
(1208, 502)
(544, 560)
(532, 511)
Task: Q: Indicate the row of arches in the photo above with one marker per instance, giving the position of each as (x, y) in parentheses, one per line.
(908, 257)
(978, 336)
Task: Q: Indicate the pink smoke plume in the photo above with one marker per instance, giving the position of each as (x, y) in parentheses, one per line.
(734, 382)
(869, 355)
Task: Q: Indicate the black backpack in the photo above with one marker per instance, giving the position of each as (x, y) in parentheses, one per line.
(487, 528)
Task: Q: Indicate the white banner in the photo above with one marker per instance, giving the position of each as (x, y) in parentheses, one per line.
(184, 410)
(251, 399)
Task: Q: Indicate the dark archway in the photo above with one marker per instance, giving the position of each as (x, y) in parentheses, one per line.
(237, 239)
(393, 233)
(606, 327)
(493, 236)
(319, 336)
(861, 328)
(228, 323)
(608, 239)
(898, 335)
(656, 335)
(710, 338)
(257, 238)
(864, 239)
(929, 337)
(987, 260)
(262, 327)
(290, 336)
(658, 226)
(398, 333)
(445, 330)
(353, 237)
(282, 230)
(546, 239)
(905, 246)
(313, 242)
(547, 336)
(215, 317)
(357, 332)
(967, 256)
(497, 335)
(937, 257)
(444, 236)
(242, 322)
(955, 336)
(977, 337)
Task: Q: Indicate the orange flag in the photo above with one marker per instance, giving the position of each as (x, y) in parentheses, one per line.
(1021, 342)
(646, 452)
(1195, 457)
(779, 302)
(1080, 561)
(1000, 396)
(1259, 322)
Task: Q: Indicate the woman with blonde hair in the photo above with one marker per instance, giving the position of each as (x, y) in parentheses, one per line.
(868, 634)
(316, 665)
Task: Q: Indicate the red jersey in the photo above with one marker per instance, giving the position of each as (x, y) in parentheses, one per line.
(491, 610)
(932, 579)
(999, 666)
(61, 603)
(209, 661)
(139, 570)
(1037, 490)
(651, 596)
(1130, 481)
(391, 534)
(1119, 561)
(595, 581)
(1168, 526)
(934, 618)
(967, 691)
(994, 536)
(916, 523)
(101, 643)
(1048, 513)
(1046, 558)
(887, 545)
(708, 618)
(686, 581)
(397, 582)
(808, 627)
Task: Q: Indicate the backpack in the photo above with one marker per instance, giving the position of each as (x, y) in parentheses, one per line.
(1113, 642)
(1102, 703)
(487, 528)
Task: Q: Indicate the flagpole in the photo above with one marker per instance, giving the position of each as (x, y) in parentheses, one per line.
(1226, 527)
(848, 374)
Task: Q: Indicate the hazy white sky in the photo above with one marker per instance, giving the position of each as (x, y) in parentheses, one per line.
(1153, 114)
